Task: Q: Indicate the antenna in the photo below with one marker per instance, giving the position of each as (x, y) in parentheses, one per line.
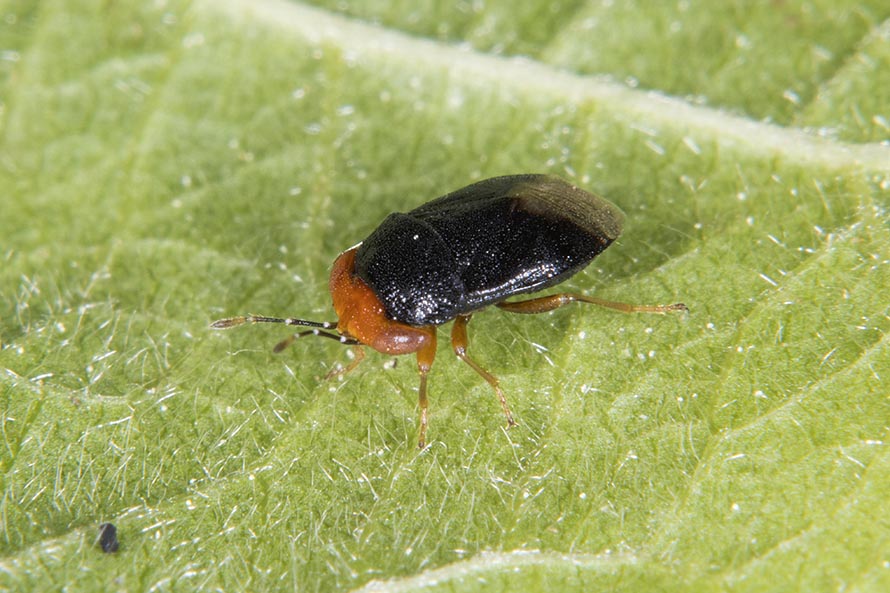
(230, 322)
(241, 320)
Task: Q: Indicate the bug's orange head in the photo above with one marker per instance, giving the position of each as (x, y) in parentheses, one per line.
(362, 316)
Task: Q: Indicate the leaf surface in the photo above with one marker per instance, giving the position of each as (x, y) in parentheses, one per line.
(166, 164)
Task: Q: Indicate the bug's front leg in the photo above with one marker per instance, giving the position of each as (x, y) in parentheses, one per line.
(338, 371)
(425, 357)
(423, 402)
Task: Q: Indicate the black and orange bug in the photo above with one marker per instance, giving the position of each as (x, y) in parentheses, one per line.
(456, 255)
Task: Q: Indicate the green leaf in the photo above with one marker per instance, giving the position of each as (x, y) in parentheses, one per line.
(169, 163)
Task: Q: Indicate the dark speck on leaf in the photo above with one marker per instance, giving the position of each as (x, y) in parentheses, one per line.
(107, 539)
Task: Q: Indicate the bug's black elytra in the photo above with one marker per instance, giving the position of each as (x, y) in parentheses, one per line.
(456, 255)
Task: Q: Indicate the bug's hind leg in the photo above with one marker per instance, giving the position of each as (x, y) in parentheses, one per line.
(555, 301)
(459, 342)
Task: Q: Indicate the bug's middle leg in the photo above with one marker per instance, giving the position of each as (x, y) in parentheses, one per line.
(555, 301)
(459, 343)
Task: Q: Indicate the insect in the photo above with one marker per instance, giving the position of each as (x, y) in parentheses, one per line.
(452, 257)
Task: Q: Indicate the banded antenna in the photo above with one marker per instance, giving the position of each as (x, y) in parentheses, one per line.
(230, 322)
